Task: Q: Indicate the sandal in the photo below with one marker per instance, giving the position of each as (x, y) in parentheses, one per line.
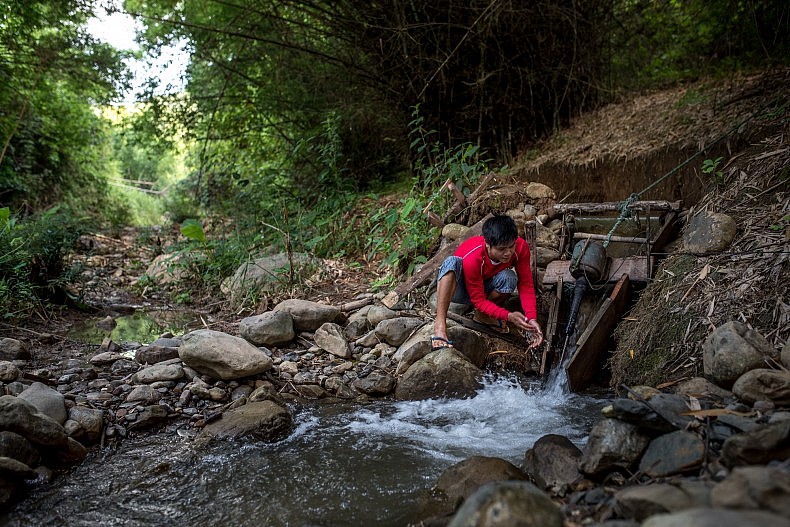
(447, 343)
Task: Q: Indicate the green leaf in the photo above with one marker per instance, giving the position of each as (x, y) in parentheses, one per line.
(193, 230)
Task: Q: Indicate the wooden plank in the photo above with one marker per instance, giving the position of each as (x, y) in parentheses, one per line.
(591, 347)
(634, 266)
(428, 270)
(551, 326)
(611, 206)
(667, 233)
(621, 239)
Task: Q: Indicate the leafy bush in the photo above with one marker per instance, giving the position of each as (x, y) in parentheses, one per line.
(34, 266)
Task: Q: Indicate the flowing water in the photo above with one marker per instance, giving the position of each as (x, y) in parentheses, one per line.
(344, 465)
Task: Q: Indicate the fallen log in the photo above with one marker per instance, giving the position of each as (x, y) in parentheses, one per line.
(612, 206)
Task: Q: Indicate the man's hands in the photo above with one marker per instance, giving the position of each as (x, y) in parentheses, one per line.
(520, 321)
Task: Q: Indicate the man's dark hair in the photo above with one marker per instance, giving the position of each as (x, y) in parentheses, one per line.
(499, 230)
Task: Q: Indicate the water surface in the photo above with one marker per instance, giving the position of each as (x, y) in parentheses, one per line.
(345, 465)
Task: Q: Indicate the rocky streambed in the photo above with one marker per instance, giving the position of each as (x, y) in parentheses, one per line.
(694, 453)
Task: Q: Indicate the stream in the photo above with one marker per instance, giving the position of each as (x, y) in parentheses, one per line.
(344, 465)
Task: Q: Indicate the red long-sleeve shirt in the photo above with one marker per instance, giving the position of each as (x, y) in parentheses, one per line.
(478, 267)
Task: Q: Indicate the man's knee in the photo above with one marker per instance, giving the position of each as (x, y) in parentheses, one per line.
(452, 265)
(505, 281)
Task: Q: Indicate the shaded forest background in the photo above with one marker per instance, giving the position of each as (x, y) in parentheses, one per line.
(315, 126)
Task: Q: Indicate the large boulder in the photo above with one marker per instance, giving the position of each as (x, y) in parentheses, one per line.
(13, 349)
(709, 232)
(264, 420)
(508, 504)
(463, 479)
(272, 328)
(755, 487)
(48, 401)
(764, 385)
(307, 315)
(732, 350)
(267, 274)
(21, 417)
(222, 356)
(553, 462)
(613, 445)
(705, 517)
(443, 373)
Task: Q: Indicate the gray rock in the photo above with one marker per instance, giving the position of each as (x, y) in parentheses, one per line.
(15, 469)
(709, 232)
(545, 255)
(552, 462)
(454, 231)
(330, 338)
(395, 331)
(48, 401)
(17, 447)
(470, 343)
(785, 355)
(641, 501)
(375, 384)
(701, 387)
(105, 358)
(754, 487)
(264, 420)
(13, 349)
(8, 371)
(267, 274)
(705, 517)
(673, 453)
(21, 417)
(90, 420)
(414, 353)
(423, 334)
(732, 350)
(159, 372)
(667, 417)
(151, 416)
(764, 385)
(508, 504)
(307, 315)
(222, 356)
(443, 373)
(759, 446)
(144, 394)
(155, 354)
(463, 479)
(169, 268)
(612, 445)
(273, 328)
(378, 313)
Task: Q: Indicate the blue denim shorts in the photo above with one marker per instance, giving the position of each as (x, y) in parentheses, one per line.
(504, 281)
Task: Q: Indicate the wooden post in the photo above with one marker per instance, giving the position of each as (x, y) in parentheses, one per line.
(551, 326)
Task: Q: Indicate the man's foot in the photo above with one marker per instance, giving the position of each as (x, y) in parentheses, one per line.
(495, 324)
(440, 343)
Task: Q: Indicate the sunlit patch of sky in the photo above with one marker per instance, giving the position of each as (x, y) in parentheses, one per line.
(119, 29)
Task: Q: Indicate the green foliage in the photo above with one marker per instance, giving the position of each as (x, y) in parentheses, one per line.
(401, 236)
(656, 41)
(193, 230)
(710, 167)
(51, 75)
(33, 267)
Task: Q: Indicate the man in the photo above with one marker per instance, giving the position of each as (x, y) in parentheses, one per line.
(484, 271)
